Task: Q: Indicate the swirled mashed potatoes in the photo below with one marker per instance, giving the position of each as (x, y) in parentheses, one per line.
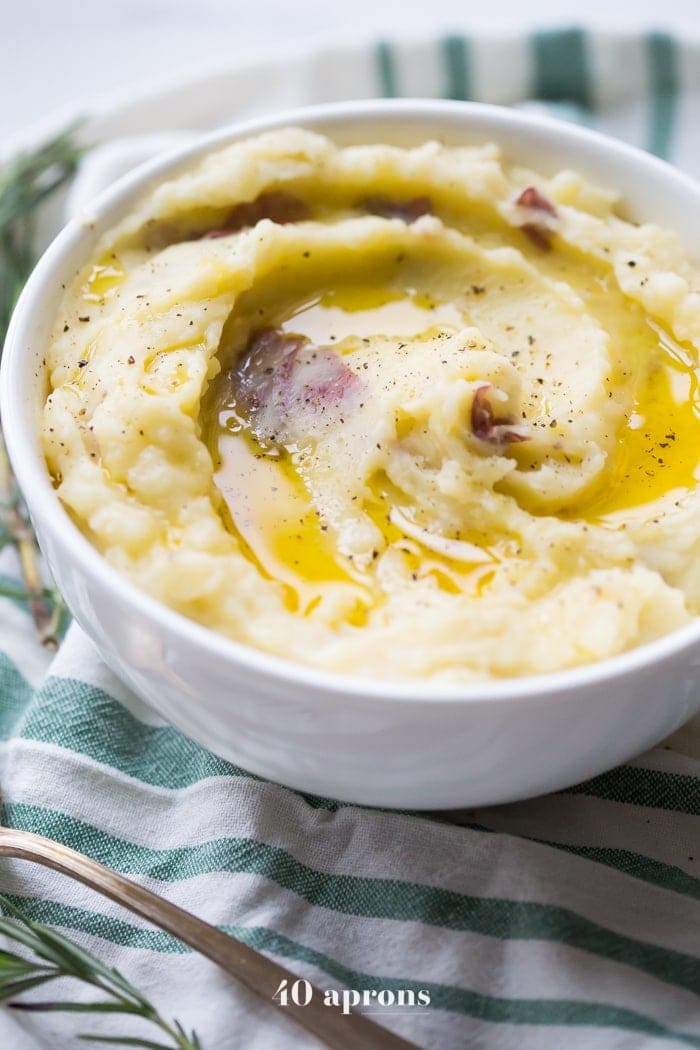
(401, 413)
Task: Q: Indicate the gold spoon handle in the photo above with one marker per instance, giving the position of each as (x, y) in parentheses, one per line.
(259, 974)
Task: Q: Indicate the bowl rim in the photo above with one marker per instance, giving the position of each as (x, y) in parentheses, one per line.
(33, 477)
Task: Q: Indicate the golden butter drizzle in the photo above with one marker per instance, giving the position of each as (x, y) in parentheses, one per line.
(660, 450)
(272, 514)
(658, 447)
(360, 311)
(106, 275)
(268, 505)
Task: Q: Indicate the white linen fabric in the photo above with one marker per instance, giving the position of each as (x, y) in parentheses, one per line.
(571, 920)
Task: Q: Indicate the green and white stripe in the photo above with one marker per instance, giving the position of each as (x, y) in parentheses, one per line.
(571, 920)
(632, 86)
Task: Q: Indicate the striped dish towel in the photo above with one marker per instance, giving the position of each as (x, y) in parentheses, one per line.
(566, 921)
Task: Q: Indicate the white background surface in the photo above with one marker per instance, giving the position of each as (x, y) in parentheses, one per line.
(53, 52)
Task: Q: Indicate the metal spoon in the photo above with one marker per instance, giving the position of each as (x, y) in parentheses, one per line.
(259, 974)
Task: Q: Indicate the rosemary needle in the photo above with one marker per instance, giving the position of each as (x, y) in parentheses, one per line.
(26, 183)
(54, 956)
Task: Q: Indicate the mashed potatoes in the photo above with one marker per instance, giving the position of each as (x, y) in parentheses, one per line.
(400, 413)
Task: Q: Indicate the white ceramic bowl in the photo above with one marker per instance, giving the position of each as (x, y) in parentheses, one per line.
(409, 745)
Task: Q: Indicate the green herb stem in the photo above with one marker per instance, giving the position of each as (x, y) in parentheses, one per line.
(53, 956)
(26, 183)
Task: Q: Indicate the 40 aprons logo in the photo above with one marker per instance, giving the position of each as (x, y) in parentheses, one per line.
(301, 992)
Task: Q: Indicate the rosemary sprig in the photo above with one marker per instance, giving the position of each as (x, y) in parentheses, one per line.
(45, 604)
(27, 182)
(53, 957)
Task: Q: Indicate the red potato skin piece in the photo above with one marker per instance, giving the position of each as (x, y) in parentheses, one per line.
(267, 363)
(539, 232)
(534, 200)
(289, 387)
(277, 206)
(487, 427)
(282, 208)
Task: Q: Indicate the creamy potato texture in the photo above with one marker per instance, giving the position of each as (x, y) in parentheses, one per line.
(399, 413)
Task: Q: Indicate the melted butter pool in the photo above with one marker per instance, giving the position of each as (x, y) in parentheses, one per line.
(273, 516)
(658, 450)
(106, 275)
(364, 312)
(267, 503)
(658, 447)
